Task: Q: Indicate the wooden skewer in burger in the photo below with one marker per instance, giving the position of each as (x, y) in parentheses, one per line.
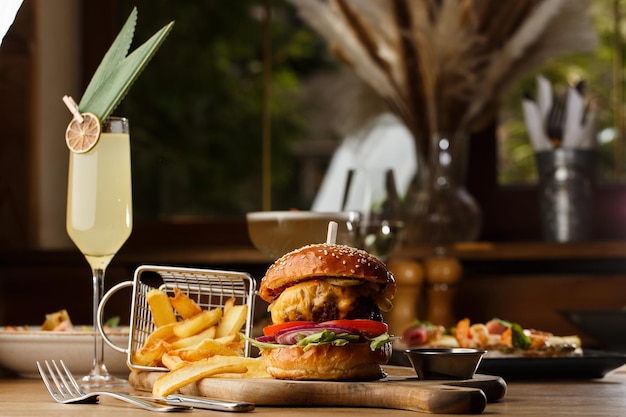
(326, 303)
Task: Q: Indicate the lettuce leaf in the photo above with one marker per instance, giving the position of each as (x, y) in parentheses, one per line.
(326, 337)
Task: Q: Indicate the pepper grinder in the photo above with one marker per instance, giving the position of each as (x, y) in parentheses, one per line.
(443, 273)
(409, 275)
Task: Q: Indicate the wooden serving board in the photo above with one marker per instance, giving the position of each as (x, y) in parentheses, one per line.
(399, 390)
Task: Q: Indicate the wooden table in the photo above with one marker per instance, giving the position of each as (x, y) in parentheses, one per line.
(602, 397)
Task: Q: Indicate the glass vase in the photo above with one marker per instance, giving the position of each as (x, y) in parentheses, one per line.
(441, 210)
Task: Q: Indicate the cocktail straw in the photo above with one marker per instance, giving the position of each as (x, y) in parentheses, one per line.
(73, 106)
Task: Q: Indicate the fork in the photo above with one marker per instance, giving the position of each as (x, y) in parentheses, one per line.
(63, 387)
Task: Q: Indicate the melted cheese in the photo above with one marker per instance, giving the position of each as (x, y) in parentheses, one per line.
(300, 301)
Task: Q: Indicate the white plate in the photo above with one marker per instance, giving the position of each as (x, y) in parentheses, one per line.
(20, 350)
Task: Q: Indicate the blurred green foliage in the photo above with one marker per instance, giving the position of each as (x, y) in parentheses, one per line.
(196, 111)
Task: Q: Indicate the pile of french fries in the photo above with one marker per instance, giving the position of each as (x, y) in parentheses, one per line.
(198, 344)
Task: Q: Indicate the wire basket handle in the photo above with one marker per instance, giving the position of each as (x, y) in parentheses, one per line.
(99, 323)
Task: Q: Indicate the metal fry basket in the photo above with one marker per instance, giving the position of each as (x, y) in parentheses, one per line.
(207, 287)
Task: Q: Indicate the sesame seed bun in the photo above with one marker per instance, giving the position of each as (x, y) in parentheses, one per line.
(325, 260)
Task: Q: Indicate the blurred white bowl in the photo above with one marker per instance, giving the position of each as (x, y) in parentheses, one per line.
(277, 232)
(20, 350)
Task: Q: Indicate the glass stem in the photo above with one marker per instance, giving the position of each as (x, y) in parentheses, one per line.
(98, 358)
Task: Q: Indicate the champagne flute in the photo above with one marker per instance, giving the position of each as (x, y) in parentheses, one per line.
(372, 193)
(99, 218)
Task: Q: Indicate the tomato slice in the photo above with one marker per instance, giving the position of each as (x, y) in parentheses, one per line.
(272, 329)
(370, 327)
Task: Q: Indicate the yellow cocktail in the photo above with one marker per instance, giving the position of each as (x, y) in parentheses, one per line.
(100, 216)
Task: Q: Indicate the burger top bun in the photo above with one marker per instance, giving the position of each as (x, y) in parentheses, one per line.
(325, 260)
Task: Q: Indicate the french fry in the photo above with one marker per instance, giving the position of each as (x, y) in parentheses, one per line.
(160, 307)
(229, 339)
(198, 323)
(150, 356)
(228, 304)
(191, 372)
(164, 333)
(233, 341)
(171, 361)
(205, 349)
(255, 366)
(232, 321)
(195, 339)
(184, 306)
(198, 337)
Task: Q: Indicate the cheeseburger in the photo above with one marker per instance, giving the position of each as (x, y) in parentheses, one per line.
(326, 305)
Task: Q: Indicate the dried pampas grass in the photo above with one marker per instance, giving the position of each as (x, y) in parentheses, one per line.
(440, 65)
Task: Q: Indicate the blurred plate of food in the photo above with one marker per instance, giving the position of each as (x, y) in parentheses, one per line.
(57, 338)
(514, 351)
(501, 338)
(22, 346)
(604, 326)
(590, 364)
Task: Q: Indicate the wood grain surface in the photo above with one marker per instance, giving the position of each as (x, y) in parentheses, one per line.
(400, 390)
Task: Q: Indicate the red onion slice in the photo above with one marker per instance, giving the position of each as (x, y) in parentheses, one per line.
(292, 335)
(266, 339)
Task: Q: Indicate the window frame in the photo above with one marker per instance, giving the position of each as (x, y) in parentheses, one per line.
(510, 213)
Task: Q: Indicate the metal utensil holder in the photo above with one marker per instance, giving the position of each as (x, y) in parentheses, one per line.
(207, 287)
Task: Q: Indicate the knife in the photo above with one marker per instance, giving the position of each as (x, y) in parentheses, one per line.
(208, 404)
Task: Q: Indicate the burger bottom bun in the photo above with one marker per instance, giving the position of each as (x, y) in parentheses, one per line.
(352, 362)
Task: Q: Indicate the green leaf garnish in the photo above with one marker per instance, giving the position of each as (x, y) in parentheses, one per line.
(112, 322)
(518, 337)
(117, 72)
(265, 345)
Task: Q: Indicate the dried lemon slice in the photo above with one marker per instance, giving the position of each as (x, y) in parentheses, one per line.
(82, 136)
